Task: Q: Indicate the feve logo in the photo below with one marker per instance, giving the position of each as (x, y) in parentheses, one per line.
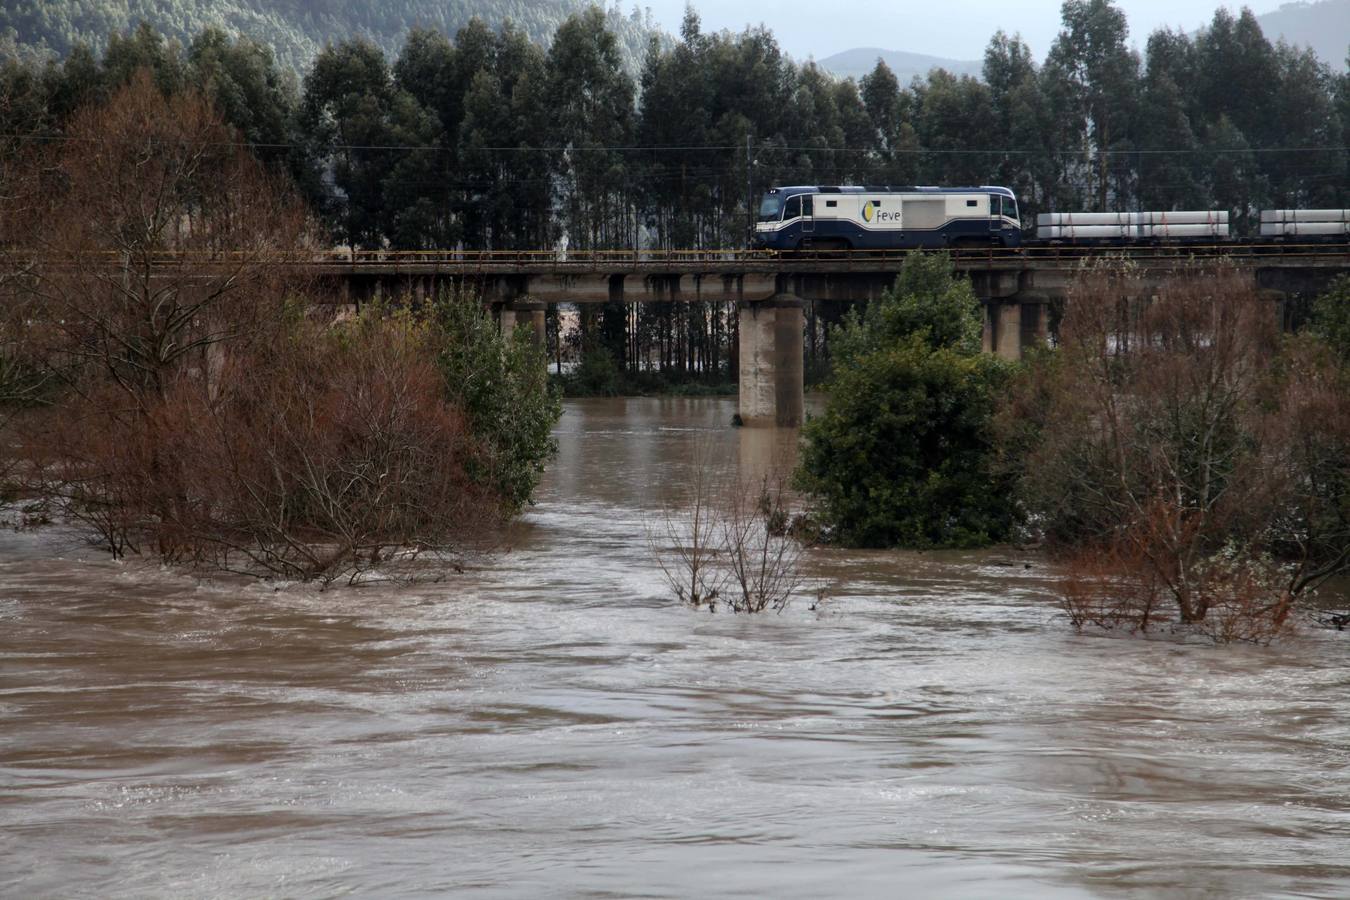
(869, 211)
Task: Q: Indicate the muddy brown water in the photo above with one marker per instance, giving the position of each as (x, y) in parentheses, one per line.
(552, 726)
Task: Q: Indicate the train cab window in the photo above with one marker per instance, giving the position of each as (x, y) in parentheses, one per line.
(771, 207)
(808, 205)
(793, 208)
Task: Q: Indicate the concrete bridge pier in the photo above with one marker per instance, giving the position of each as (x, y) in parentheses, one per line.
(1010, 325)
(772, 373)
(522, 312)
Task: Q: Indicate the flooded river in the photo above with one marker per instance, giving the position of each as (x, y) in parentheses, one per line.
(551, 725)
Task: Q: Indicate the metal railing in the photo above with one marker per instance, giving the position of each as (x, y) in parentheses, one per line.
(1060, 255)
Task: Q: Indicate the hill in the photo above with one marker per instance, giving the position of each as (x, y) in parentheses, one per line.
(294, 29)
(1323, 25)
(858, 62)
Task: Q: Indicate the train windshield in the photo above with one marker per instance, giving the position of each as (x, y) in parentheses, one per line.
(770, 207)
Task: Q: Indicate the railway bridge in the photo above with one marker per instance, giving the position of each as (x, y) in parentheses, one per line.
(1016, 287)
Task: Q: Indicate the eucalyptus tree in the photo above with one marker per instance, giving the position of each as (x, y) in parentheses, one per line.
(815, 129)
(344, 116)
(421, 183)
(525, 173)
(1095, 79)
(674, 121)
(427, 68)
(1343, 107)
(1237, 75)
(143, 48)
(73, 83)
(24, 105)
(950, 111)
(1017, 127)
(504, 173)
(590, 103)
(1235, 183)
(1308, 171)
(1171, 169)
(241, 78)
(890, 110)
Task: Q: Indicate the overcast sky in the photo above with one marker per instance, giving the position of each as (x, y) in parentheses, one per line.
(957, 29)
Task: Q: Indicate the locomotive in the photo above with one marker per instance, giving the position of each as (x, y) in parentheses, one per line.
(884, 217)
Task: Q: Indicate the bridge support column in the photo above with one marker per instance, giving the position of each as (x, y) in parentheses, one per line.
(525, 313)
(771, 369)
(1041, 326)
(1008, 331)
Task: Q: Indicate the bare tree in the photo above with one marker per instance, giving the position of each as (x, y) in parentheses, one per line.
(728, 544)
(685, 542)
(762, 561)
(143, 237)
(1184, 452)
(205, 414)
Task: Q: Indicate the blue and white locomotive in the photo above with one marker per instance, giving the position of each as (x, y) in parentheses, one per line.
(887, 218)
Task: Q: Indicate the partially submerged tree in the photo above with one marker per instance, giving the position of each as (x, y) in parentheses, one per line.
(727, 544)
(904, 454)
(205, 414)
(1191, 464)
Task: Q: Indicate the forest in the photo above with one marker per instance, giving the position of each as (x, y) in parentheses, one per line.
(490, 139)
(295, 30)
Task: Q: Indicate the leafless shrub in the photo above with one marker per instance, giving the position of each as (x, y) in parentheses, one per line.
(685, 540)
(761, 562)
(321, 458)
(1109, 587)
(144, 238)
(728, 544)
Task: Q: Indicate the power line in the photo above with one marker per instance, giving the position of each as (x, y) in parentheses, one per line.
(680, 148)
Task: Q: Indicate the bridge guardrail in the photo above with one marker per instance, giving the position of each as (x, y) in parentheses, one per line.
(462, 260)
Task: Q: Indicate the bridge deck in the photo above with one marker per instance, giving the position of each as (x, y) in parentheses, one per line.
(737, 262)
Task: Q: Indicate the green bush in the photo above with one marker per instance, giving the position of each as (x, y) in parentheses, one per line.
(596, 375)
(1331, 318)
(503, 384)
(903, 454)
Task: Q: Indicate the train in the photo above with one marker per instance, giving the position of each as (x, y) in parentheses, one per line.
(807, 218)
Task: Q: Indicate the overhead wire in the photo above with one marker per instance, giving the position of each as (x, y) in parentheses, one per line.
(681, 148)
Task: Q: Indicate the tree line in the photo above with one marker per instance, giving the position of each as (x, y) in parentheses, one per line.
(488, 139)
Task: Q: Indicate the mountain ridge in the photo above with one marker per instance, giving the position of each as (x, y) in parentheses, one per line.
(857, 62)
(1323, 25)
